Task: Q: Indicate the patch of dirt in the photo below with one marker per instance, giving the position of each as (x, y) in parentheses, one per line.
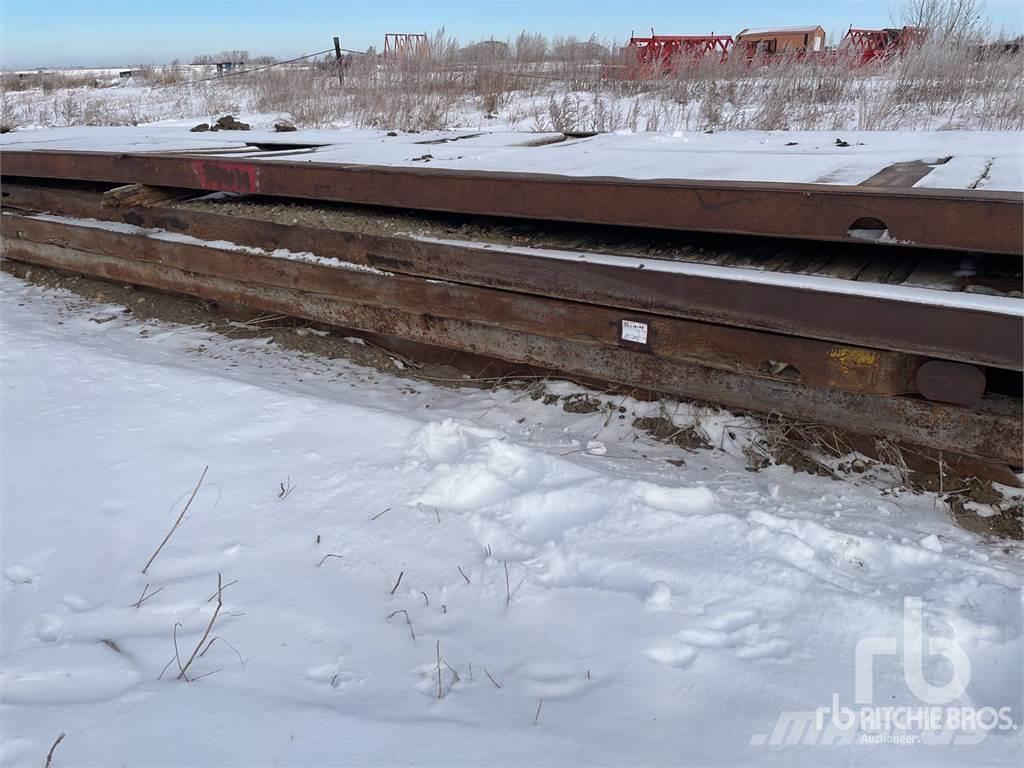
(661, 428)
(800, 446)
(797, 457)
(1006, 523)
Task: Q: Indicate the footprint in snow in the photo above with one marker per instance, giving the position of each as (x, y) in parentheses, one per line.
(67, 674)
(49, 627)
(744, 633)
(683, 501)
(660, 597)
(19, 574)
(76, 603)
(556, 681)
(332, 674)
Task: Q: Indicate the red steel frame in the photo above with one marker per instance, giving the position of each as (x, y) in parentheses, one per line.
(662, 54)
(399, 44)
(870, 45)
(659, 54)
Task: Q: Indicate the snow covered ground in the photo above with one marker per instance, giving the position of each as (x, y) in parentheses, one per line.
(962, 159)
(620, 601)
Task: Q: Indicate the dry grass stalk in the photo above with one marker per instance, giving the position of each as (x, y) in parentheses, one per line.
(220, 603)
(439, 696)
(956, 81)
(230, 583)
(408, 621)
(496, 684)
(144, 597)
(178, 521)
(49, 755)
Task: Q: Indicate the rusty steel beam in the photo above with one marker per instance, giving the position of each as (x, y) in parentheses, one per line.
(971, 220)
(956, 334)
(755, 353)
(992, 430)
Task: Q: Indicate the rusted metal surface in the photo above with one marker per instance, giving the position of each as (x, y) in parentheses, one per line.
(992, 429)
(900, 175)
(969, 336)
(65, 200)
(755, 353)
(950, 382)
(973, 220)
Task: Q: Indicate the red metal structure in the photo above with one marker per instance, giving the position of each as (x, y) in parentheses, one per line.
(647, 57)
(404, 44)
(661, 54)
(868, 45)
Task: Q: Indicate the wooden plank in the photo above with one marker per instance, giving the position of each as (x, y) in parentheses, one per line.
(142, 195)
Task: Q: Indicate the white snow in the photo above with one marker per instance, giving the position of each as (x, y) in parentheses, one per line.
(664, 614)
(996, 157)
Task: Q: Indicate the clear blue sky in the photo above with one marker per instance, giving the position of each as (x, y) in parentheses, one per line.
(36, 33)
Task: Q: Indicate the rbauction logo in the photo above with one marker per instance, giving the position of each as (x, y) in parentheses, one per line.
(936, 721)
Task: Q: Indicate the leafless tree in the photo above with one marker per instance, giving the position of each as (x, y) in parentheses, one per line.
(952, 21)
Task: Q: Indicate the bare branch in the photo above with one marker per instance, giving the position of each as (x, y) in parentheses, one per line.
(463, 573)
(397, 582)
(325, 557)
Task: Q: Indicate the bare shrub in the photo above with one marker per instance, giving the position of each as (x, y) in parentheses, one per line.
(574, 85)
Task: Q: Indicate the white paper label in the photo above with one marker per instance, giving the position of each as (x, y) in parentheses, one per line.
(635, 332)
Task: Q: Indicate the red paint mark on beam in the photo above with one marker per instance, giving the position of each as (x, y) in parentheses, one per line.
(226, 176)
